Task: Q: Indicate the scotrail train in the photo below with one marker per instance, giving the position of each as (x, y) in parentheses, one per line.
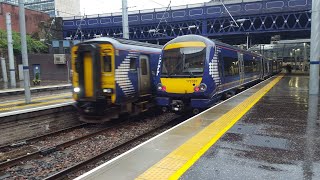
(194, 72)
(113, 76)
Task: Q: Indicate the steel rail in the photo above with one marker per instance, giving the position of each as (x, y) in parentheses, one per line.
(62, 174)
(53, 148)
(38, 138)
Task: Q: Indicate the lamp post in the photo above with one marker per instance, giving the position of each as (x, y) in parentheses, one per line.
(24, 52)
(314, 49)
(305, 58)
(125, 23)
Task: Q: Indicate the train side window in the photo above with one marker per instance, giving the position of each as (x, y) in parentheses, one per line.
(248, 66)
(231, 66)
(107, 64)
(144, 70)
(133, 64)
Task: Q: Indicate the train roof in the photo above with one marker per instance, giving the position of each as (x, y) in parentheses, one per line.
(207, 41)
(190, 38)
(118, 42)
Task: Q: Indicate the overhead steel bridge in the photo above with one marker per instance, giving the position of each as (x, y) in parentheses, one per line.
(260, 19)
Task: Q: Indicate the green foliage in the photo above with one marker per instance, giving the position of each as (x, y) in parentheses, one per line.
(37, 76)
(34, 46)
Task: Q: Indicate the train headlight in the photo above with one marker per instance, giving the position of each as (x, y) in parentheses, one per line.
(203, 87)
(76, 90)
(108, 90)
(161, 88)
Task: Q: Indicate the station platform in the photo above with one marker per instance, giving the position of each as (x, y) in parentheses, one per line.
(265, 132)
(18, 106)
(9, 91)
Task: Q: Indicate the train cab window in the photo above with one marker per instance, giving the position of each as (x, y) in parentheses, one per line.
(143, 66)
(133, 64)
(107, 64)
(231, 66)
(184, 62)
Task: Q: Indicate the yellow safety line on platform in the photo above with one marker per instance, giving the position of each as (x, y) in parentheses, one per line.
(34, 105)
(181, 159)
(38, 99)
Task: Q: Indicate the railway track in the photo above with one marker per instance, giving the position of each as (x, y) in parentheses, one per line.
(82, 165)
(45, 150)
(9, 147)
(69, 156)
(36, 121)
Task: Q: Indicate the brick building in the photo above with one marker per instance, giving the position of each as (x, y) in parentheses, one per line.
(55, 8)
(39, 25)
(33, 18)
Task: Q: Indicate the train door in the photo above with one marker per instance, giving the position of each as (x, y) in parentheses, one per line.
(268, 67)
(265, 67)
(241, 68)
(88, 66)
(260, 66)
(144, 74)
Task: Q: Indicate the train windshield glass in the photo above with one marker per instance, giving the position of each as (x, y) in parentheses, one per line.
(183, 62)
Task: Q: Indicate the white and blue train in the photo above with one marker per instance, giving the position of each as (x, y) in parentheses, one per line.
(195, 72)
(113, 76)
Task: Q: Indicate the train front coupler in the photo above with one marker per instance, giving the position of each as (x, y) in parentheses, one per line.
(177, 105)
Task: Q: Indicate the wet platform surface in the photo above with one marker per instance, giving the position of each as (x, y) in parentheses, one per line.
(275, 139)
(265, 132)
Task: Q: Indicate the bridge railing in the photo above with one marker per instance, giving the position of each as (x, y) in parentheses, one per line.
(212, 9)
(211, 3)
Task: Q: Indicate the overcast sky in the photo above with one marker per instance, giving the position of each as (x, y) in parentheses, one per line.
(108, 6)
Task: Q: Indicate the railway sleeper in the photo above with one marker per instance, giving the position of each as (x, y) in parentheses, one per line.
(47, 151)
(17, 144)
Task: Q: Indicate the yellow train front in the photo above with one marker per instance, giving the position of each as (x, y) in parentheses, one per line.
(113, 76)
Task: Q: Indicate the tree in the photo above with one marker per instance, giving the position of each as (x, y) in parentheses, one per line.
(34, 46)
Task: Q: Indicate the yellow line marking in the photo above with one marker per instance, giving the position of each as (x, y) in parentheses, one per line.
(39, 97)
(68, 95)
(181, 159)
(34, 105)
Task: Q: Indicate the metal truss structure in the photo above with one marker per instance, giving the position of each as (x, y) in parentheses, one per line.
(211, 19)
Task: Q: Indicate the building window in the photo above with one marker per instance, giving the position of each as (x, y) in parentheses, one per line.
(67, 50)
(56, 51)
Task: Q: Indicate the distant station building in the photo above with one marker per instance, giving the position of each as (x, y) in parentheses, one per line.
(55, 8)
